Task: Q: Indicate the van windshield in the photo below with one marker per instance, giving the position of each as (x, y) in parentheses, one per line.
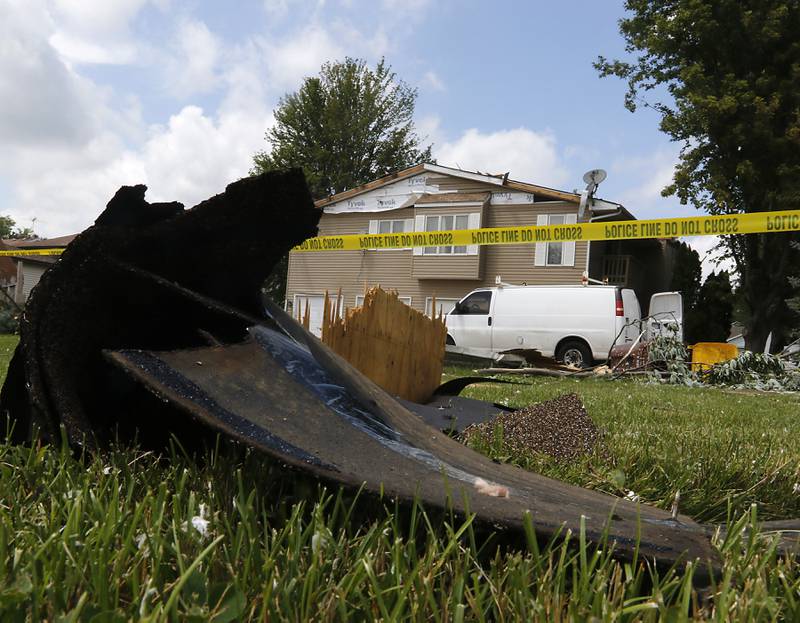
(475, 303)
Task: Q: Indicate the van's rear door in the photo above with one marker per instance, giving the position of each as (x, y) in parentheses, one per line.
(632, 313)
(666, 315)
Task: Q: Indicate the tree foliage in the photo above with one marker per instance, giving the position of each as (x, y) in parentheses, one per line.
(709, 319)
(725, 75)
(9, 229)
(686, 274)
(347, 126)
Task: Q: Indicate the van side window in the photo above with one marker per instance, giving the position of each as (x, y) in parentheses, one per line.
(475, 303)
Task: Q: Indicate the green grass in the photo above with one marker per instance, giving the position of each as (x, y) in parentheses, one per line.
(111, 537)
(715, 446)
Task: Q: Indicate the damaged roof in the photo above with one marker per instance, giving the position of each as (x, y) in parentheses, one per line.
(501, 181)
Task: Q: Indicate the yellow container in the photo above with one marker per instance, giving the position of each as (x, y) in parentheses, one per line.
(706, 354)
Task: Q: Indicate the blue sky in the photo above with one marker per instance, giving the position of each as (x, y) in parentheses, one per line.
(178, 94)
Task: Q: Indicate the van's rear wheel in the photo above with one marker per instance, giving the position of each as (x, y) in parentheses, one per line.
(574, 353)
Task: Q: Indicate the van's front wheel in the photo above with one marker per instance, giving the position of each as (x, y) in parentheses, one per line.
(574, 353)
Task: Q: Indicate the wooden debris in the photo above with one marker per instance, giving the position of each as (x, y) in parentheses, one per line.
(537, 372)
(399, 348)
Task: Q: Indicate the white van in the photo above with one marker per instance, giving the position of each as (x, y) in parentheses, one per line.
(574, 324)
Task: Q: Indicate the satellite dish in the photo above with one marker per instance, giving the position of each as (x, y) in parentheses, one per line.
(594, 177)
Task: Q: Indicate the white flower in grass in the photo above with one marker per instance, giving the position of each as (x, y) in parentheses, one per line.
(199, 522)
(796, 488)
(321, 538)
(141, 544)
(106, 470)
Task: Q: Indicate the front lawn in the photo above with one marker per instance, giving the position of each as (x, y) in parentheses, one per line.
(131, 535)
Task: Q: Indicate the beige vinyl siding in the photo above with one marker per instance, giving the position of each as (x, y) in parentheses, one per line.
(314, 273)
(515, 263)
(455, 184)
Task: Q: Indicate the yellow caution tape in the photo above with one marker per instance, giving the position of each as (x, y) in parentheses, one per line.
(19, 252)
(753, 223)
(725, 224)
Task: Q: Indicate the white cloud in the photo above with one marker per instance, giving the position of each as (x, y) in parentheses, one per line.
(528, 155)
(193, 67)
(43, 101)
(191, 158)
(196, 156)
(276, 8)
(432, 80)
(70, 142)
(429, 130)
(405, 6)
(299, 55)
(96, 31)
(642, 178)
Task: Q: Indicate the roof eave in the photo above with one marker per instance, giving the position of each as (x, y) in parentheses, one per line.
(392, 177)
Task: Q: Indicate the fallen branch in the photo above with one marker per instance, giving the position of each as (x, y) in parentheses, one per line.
(536, 372)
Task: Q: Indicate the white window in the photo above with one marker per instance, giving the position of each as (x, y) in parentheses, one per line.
(445, 222)
(403, 299)
(448, 222)
(555, 253)
(443, 306)
(391, 226)
(396, 226)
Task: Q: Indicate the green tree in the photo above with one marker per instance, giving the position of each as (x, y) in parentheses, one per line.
(686, 275)
(725, 75)
(710, 318)
(9, 229)
(346, 127)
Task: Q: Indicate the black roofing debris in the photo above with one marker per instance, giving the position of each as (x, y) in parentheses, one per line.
(152, 324)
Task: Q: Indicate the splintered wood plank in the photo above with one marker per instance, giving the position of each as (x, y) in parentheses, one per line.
(397, 347)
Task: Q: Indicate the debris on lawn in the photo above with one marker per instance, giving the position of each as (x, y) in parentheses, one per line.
(152, 325)
(559, 427)
(669, 358)
(628, 357)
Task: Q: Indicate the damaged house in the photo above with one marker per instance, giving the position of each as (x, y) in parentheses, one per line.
(430, 197)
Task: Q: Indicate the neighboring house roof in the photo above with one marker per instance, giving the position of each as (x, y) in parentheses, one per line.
(47, 243)
(501, 181)
(58, 242)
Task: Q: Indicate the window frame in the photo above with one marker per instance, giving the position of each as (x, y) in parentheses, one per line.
(429, 304)
(405, 221)
(437, 251)
(476, 294)
(563, 218)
